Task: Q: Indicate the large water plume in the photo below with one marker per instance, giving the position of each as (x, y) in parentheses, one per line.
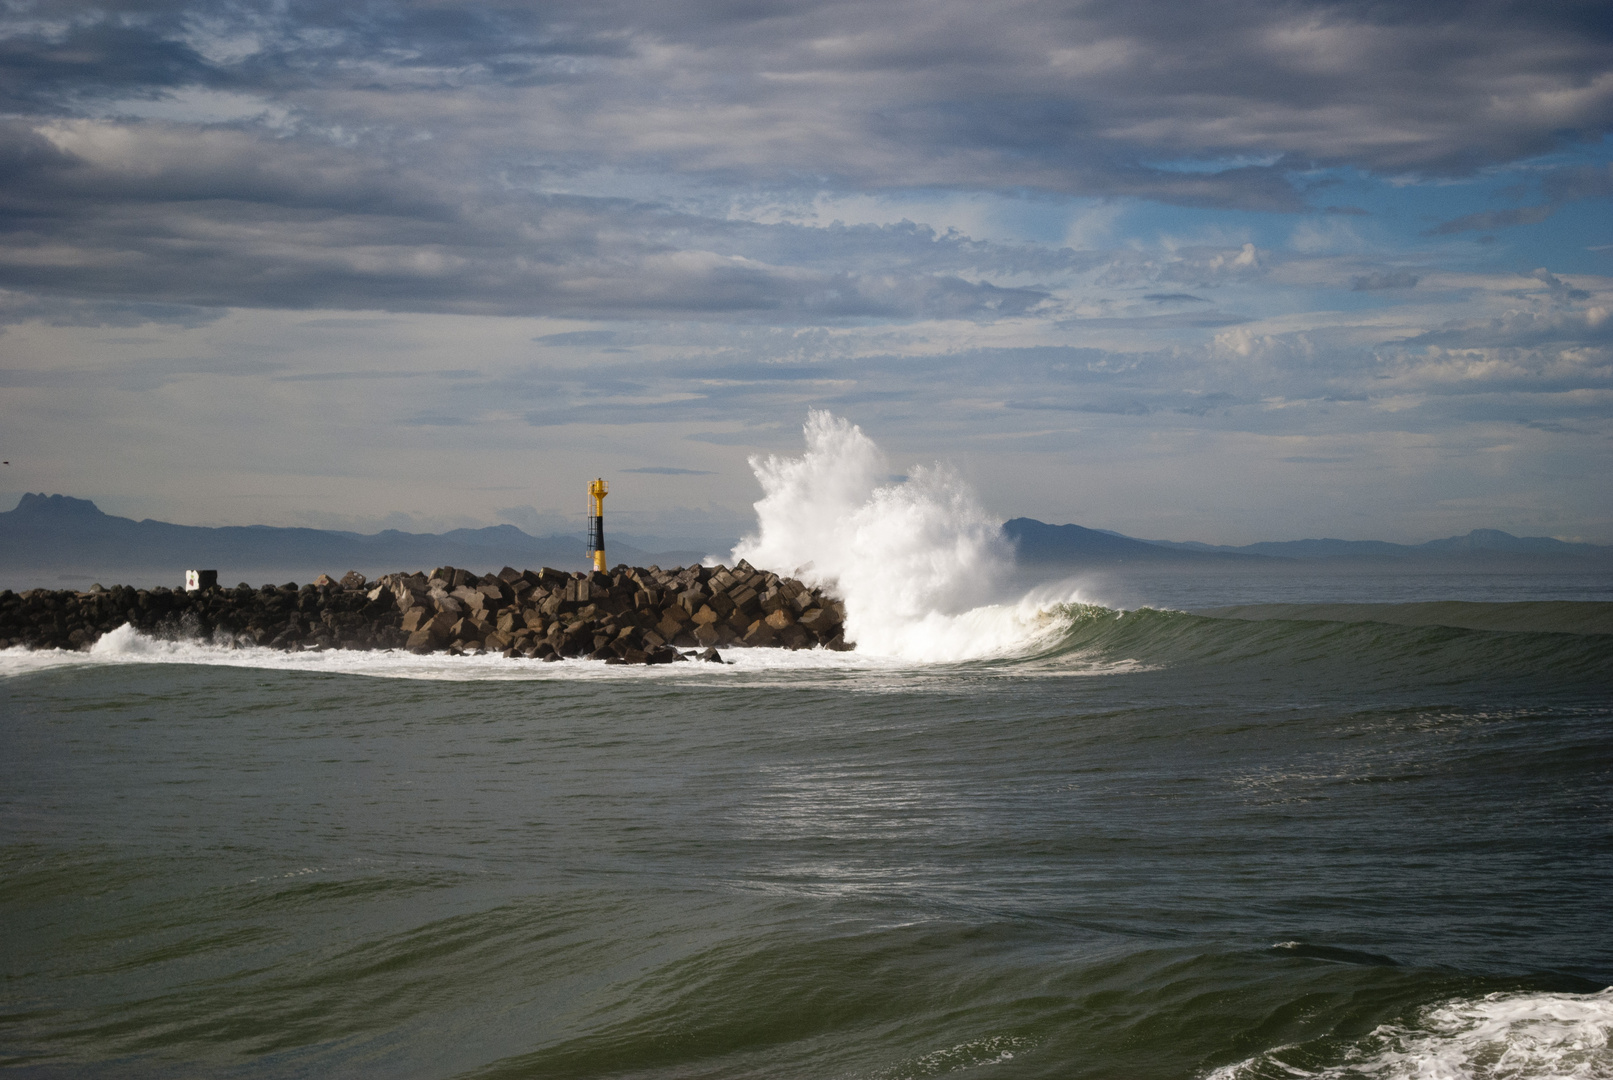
(917, 559)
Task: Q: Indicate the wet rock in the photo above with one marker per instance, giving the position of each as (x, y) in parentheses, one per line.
(760, 635)
(542, 614)
(821, 622)
(746, 602)
(793, 637)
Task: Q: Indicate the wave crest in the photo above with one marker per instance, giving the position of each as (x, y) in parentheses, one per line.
(1519, 1036)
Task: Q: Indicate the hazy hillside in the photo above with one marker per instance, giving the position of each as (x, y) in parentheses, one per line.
(1482, 544)
(56, 540)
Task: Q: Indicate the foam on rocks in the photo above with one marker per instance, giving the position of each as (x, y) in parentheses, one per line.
(631, 615)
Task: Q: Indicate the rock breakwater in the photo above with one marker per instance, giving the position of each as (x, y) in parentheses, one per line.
(630, 615)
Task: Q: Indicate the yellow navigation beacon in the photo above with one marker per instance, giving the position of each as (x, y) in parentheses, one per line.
(596, 522)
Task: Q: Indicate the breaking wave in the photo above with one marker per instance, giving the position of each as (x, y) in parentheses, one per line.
(1519, 1036)
(918, 561)
(1045, 636)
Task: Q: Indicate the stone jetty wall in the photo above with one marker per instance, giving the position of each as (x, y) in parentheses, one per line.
(631, 615)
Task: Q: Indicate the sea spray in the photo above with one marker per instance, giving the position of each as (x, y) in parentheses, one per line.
(916, 559)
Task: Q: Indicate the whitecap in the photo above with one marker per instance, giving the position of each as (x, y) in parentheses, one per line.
(1517, 1036)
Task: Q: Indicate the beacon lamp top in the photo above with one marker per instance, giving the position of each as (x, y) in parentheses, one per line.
(596, 522)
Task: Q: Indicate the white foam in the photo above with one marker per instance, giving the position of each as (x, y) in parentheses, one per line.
(1525, 1036)
(917, 560)
(126, 645)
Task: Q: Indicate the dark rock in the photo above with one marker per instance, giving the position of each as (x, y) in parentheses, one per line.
(819, 621)
(793, 637)
(760, 635)
(529, 613)
(672, 622)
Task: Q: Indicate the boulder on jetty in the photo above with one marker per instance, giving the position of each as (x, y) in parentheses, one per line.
(631, 615)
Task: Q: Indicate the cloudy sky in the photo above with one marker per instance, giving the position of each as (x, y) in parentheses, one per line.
(1228, 270)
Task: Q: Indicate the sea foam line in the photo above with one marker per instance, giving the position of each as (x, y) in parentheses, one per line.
(126, 645)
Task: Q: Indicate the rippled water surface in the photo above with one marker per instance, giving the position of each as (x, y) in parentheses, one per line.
(1168, 847)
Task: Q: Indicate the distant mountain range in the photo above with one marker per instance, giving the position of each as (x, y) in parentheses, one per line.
(56, 540)
(52, 540)
(1040, 543)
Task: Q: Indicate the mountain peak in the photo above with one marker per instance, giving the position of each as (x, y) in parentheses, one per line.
(56, 506)
(1493, 540)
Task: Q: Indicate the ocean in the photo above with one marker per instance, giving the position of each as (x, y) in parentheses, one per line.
(1044, 837)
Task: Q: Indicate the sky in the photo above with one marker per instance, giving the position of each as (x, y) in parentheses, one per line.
(1228, 271)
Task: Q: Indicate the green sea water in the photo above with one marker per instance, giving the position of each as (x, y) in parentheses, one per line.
(1158, 845)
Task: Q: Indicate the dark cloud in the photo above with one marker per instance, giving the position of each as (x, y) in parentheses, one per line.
(1493, 219)
(1071, 98)
(51, 73)
(413, 155)
(1578, 182)
(220, 218)
(1560, 186)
